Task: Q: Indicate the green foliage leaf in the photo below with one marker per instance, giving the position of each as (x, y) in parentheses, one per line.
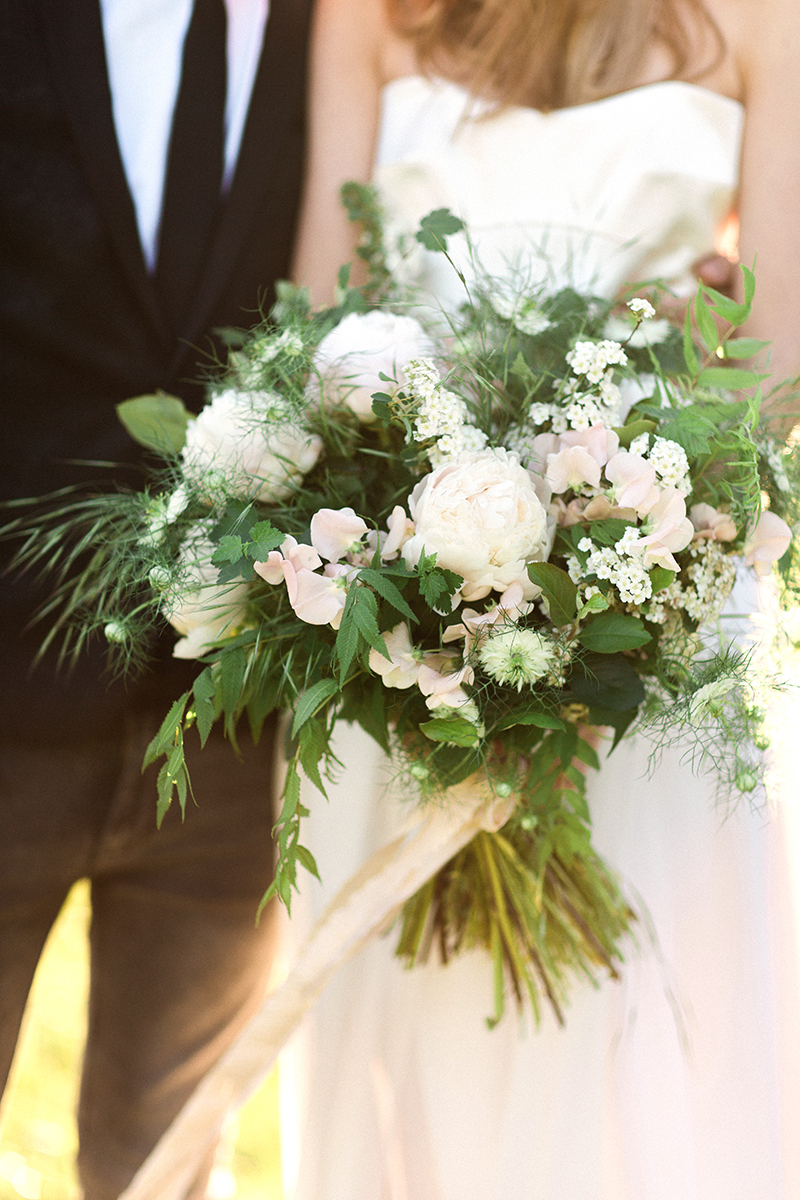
(307, 860)
(388, 590)
(204, 694)
(312, 701)
(692, 361)
(435, 229)
(542, 720)
(168, 732)
(347, 637)
(455, 731)
(365, 616)
(229, 550)
(743, 347)
(558, 589)
(232, 669)
(610, 632)
(264, 538)
(314, 739)
(608, 682)
(607, 532)
(660, 578)
(626, 433)
(733, 378)
(729, 310)
(595, 603)
(705, 323)
(158, 421)
(436, 583)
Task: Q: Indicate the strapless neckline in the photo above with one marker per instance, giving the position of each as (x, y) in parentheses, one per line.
(624, 189)
(476, 104)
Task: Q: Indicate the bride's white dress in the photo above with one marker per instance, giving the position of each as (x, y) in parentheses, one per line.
(680, 1082)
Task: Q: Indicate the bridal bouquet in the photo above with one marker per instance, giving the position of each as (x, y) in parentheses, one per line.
(481, 539)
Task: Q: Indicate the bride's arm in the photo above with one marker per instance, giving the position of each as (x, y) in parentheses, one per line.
(353, 53)
(769, 201)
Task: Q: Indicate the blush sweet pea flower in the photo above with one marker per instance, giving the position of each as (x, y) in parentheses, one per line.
(337, 531)
(319, 599)
(767, 542)
(633, 479)
(709, 522)
(297, 554)
(668, 530)
(401, 668)
(571, 468)
(440, 686)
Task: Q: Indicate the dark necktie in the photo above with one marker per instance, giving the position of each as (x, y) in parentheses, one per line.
(195, 161)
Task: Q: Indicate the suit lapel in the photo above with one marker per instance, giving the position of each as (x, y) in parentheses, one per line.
(271, 120)
(77, 50)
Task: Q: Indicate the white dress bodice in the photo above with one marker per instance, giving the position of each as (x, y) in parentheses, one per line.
(622, 190)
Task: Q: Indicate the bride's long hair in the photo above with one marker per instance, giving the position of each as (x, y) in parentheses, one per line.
(555, 53)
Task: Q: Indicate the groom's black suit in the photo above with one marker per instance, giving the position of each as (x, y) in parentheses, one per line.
(81, 328)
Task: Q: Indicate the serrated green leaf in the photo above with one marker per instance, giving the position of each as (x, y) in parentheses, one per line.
(232, 668)
(291, 794)
(167, 733)
(307, 860)
(610, 632)
(559, 590)
(313, 742)
(164, 786)
(388, 590)
(312, 701)
(158, 421)
(436, 227)
(264, 538)
(204, 693)
(228, 550)
(365, 612)
(347, 638)
(455, 731)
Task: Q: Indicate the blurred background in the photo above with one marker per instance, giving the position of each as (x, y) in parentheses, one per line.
(38, 1139)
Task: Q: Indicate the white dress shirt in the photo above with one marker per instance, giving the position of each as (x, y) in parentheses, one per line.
(144, 46)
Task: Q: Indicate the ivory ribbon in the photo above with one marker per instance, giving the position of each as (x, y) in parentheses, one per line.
(356, 914)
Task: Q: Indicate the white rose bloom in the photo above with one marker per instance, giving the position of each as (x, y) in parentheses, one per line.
(481, 516)
(201, 609)
(350, 359)
(244, 443)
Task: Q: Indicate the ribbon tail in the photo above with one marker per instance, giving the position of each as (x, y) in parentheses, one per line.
(357, 913)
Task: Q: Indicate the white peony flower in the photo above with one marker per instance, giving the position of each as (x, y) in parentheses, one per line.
(481, 516)
(243, 443)
(201, 609)
(351, 358)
